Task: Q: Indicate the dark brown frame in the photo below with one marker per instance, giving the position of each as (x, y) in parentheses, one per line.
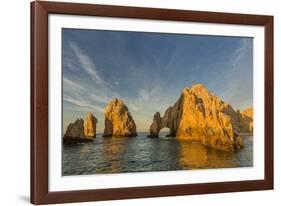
(39, 102)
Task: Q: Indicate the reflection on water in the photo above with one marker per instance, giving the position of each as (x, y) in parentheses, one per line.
(139, 154)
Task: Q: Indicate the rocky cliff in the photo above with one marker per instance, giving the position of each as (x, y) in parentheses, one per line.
(118, 120)
(200, 116)
(81, 130)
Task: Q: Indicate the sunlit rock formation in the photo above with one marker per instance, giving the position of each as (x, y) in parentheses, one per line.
(118, 120)
(200, 116)
(90, 122)
(81, 130)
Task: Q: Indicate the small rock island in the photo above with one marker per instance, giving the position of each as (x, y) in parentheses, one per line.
(90, 123)
(200, 116)
(118, 121)
(247, 116)
(81, 130)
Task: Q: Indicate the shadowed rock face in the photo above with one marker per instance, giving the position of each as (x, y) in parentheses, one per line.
(74, 132)
(118, 120)
(200, 116)
(75, 129)
(81, 130)
(157, 125)
(90, 123)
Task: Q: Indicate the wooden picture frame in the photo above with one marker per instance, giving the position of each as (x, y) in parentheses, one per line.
(40, 193)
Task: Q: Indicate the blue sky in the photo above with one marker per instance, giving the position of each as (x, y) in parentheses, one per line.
(149, 71)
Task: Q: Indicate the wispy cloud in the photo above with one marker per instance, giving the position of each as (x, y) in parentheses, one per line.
(238, 71)
(98, 98)
(135, 107)
(152, 93)
(145, 95)
(86, 63)
(240, 51)
(82, 103)
(69, 61)
(148, 73)
(72, 87)
(84, 90)
(79, 94)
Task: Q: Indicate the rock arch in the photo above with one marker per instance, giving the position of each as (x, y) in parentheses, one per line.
(200, 116)
(168, 120)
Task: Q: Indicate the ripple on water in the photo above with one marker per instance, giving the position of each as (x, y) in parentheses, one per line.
(142, 154)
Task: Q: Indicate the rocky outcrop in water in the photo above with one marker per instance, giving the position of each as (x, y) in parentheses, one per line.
(118, 120)
(248, 119)
(81, 130)
(240, 122)
(90, 123)
(200, 116)
(156, 125)
(75, 132)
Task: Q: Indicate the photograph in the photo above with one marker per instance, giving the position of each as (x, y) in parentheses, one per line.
(137, 101)
(130, 102)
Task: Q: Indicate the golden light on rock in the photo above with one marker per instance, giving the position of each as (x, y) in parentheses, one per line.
(90, 122)
(200, 116)
(118, 120)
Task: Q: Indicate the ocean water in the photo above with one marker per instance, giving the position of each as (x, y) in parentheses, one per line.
(142, 154)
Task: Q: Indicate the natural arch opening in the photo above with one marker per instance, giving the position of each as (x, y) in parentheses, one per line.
(162, 123)
(164, 132)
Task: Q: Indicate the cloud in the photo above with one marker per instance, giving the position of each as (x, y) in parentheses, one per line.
(241, 51)
(145, 94)
(72, 87)
(86, 63)
(70, 62)
(134, 106)
(237, 79)
(77, 94)
(94, 91)
(81, 103)
(98, 98)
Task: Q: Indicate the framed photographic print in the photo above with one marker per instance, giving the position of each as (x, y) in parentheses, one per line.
(131, 102)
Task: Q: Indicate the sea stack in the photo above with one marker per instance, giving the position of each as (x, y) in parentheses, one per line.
(90, 123)
(75, 133)
(248, 119)
(200, 116)
(118, 120)
(81, 130)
